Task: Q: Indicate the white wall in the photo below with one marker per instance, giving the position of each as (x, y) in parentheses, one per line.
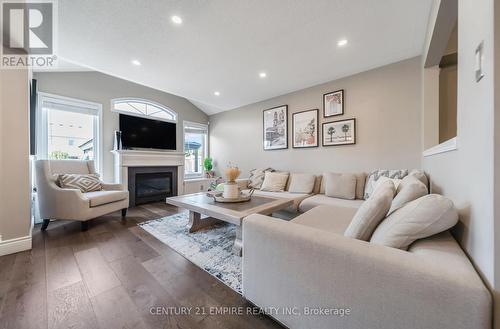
(466, 174)
(15, 215)
(101, 88)
(386, 103)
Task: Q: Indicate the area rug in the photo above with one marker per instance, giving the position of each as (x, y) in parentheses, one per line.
(209, 249)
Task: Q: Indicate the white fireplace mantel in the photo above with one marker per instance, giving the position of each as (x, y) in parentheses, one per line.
(123, 159)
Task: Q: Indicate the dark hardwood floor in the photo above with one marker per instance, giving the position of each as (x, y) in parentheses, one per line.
(110, 277)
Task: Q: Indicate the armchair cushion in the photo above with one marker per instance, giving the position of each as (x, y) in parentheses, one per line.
(85, 183)
(99, 198)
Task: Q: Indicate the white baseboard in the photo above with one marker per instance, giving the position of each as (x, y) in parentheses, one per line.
(15, 245)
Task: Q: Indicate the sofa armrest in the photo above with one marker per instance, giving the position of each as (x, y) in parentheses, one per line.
(113, 187)
(243, 183)
(287, 265)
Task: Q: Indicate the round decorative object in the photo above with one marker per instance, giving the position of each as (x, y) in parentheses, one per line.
(231, 191)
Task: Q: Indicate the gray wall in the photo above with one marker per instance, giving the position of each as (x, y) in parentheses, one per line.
(102, 88)
(466, 175)
(385, 102)
(15, 214)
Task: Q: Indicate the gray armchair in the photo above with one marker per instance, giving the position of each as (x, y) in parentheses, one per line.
(71, 204)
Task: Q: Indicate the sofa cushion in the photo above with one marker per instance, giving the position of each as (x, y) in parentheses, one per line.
(420, 175)
(421, 218)
(274, 181)
(257, 177)
(100, 198)
(371, 213)
(410, 189)
(327, 218)
(376, 174)
(360, 185)
(296, 197)
(342, 186)
(321, 199)
(301, 183)
(84, 183)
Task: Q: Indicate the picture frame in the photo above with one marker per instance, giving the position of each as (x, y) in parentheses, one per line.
(305, 129)
(333, 103)
(275, 128)
(341, 132)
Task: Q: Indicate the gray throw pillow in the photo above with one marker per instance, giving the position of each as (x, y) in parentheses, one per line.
(410, 189)
(342, 186)
(371, 212)
(372, 178)
(301, 183)
(421, 218)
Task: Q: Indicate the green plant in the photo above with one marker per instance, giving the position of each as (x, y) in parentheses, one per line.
(207, 163)
(59, 155)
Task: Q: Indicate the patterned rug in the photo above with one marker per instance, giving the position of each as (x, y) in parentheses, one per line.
(209, 249)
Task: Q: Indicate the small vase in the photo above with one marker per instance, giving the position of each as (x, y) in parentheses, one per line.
(231, 191)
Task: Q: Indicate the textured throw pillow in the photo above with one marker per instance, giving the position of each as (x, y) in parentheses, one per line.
(371, 212)
(421, 218)
(342, 186)
(301, 183)
(375, 175)
(84, 183)
(257, 177)
(410, 189)
(274, 181)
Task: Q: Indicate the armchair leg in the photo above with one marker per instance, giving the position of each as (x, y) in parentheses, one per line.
(45, 224)
(85, 226)
(124, 212)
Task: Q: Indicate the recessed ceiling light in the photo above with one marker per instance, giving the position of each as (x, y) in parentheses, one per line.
(342, 42)
(262, 75)
(176, 19)
(216, 93)
(136, 62)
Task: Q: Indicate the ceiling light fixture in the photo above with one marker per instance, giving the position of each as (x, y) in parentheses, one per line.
(136, 62)
(216, 93)
(262, 75)
(176, 19)
(342, 42)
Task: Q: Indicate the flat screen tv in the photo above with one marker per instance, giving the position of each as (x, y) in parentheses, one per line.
(146, 133)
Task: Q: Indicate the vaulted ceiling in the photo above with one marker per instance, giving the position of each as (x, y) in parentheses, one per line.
(223, 45)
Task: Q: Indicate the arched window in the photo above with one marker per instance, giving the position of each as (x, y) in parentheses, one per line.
(143, 108)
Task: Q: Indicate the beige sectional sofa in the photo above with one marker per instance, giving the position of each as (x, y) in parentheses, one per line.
(307, 274)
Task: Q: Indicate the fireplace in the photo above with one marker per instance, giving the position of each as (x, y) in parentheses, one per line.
(151, 184)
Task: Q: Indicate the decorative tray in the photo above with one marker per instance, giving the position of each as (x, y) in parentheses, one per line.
(217, 195)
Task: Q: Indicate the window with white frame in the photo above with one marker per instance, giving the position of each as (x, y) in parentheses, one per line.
(69, 128)
(195, 148)
(143, 108)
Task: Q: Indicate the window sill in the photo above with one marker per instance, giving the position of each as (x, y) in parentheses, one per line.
(448, 146)
(196, 179)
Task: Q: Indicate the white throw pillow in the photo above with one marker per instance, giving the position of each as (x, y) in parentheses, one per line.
(421, 218)
(274, 182)
(301, 183)
(257, 177)
(410, 189)
(342, 186)
(371, 212)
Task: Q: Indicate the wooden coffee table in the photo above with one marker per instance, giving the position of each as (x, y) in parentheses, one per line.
(200, 204)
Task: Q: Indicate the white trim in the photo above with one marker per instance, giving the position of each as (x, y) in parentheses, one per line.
(449, 145)
(41, 126)
(144, 101)
(12, 246)
(203, 128)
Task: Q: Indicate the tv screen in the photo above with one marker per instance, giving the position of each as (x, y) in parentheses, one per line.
(146, 133)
